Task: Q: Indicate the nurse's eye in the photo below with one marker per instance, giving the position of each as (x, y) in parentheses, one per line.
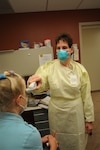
(64, 47)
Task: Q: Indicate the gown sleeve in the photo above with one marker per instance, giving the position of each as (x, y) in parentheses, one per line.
(86, 96)
(43, 73)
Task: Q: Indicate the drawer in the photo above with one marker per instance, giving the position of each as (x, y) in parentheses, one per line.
(41, 111)
(42, 124)
(40, 117)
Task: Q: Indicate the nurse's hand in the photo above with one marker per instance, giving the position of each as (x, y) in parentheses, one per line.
(35, 78)
(89, 127)
(51, 140)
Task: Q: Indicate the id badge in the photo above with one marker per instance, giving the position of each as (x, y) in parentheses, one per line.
(73, 79)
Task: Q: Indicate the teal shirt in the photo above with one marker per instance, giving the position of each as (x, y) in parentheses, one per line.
(16, 134)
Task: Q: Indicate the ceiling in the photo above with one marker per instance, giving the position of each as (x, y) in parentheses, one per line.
(23, 6)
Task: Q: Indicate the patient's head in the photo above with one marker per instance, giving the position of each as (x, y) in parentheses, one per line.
(12, 92)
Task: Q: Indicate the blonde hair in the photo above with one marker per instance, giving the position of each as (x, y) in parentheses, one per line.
(11, 85)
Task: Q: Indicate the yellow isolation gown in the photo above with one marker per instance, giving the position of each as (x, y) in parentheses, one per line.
(71, 103)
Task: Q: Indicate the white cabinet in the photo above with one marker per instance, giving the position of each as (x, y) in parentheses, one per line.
(24, 62)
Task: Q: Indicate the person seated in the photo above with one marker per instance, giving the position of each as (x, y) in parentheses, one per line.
(15, 133)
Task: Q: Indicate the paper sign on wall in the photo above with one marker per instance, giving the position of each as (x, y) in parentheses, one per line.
(44, 58)
(76, 52)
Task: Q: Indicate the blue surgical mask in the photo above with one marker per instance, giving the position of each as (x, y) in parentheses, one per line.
(62, 55)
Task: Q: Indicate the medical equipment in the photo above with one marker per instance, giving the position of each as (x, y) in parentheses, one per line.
(31, 87)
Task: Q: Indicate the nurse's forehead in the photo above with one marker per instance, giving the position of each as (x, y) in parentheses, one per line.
(62, 43)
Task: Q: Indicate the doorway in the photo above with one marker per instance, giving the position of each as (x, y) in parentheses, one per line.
(90, 51)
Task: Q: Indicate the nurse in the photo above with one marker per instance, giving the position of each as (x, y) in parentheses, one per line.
(71, 109)
(15, 133)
